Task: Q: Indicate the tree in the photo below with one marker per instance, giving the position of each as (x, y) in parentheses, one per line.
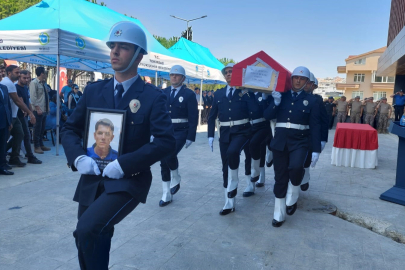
(11, 7)
(225, 61)
(190, 34)
(167, 43)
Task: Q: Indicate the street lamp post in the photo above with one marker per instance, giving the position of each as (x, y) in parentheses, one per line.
(188, 20)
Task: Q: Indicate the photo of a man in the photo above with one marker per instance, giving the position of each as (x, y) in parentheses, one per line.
(103, 136)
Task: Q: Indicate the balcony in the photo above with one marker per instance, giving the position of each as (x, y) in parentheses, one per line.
(341, 69)
(344, 86)
(384, 86)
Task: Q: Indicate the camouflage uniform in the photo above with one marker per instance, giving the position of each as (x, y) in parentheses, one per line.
(383, 123)
(370, 112)
(341, 117)
(341, 107)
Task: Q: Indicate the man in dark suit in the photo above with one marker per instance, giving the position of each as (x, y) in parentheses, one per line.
(104, 200)
(233, 108)
(182, 107)
(5, 127)
(298, 125)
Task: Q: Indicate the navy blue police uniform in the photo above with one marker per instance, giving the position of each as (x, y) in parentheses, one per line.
(233, 138)
(104, 202)
(256, 148)
(5, 122)
(182, 107)
(290, 145)
(329, 111)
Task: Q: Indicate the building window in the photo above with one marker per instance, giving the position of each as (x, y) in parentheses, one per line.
(380, 79)
(360, 61)
(359, 77)
(379, 95)
(357, 93)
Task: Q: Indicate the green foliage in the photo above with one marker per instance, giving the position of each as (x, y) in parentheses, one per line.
(225, 61)
(167, 43)
(11, 7)
(190, 34)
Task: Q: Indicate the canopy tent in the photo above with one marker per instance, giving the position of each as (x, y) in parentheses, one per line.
(76, 30)
(195, 53)
(72, 34)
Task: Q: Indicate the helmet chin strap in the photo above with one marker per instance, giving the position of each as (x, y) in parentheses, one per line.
(181, 83)
(301, 87)
(132, 61)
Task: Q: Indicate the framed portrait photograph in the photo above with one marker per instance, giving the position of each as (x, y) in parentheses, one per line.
(104, 135)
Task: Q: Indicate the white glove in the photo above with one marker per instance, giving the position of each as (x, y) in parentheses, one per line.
(151, 138)
(188, 143)
(211, 143)
(264, 96)
(323, 145)
(113, 170)
(277, 97)
(315, 157)
(86, 165)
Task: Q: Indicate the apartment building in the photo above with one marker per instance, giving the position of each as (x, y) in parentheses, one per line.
(327, 86)
(361, 77)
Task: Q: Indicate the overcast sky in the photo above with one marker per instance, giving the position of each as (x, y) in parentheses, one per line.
(318, 34)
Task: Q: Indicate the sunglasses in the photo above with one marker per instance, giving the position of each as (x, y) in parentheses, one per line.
(228, 72)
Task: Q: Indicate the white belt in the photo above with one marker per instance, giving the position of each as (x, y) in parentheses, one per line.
(255, 121)
(234, 123)
(294, 126)
(176, 121)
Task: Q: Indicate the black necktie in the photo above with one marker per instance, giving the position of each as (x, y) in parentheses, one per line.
(295, 94)
(172, 95)
(230, 93)
(118, 95)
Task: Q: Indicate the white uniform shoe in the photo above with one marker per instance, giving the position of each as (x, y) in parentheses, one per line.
(167, 196)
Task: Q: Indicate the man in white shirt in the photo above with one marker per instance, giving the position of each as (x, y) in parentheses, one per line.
(13, 73)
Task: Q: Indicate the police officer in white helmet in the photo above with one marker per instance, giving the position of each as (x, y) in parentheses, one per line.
(182, 107)
(297, 115)
(108, 193)
(309, 88)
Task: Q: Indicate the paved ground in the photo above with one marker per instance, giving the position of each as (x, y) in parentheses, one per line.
(37, 218)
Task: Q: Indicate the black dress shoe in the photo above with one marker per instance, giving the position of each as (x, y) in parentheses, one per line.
(16, 162)
(233, 193)
(254, 179)
(259, 184)
(291, 209)
(276, 223)
(6, 172)
(162, 203)
(174, 189)
(269, 165)
(225, 212)
(34, 160)
(305, 187)
(248, 194)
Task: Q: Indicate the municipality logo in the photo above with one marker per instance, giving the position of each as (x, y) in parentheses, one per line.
(196, 68)
(43, 38)
(80, 43)
(208, 73)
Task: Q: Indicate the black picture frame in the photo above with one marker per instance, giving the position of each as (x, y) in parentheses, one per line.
(103, 119)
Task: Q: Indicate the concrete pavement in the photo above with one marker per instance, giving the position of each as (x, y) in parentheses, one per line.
(38, 217)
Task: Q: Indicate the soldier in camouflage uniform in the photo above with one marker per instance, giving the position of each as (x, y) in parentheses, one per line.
(385, 110)
(342, 108)
(370, 108)
(356, 110)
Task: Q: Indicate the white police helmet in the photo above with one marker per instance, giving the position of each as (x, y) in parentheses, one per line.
(129, 32)
(229, 65)
(316, 82)
(311, 77)
(177, 69)
(301, 71)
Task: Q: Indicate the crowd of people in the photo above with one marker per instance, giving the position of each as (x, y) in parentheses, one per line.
(376, 114)
(28, 109)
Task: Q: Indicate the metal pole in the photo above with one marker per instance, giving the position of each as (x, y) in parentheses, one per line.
(187, 33)
(156, 78)
(199, 110)
(57, 104)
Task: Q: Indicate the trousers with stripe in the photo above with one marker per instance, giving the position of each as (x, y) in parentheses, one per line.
(288, 166)
(230, 154)
(95, 227)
